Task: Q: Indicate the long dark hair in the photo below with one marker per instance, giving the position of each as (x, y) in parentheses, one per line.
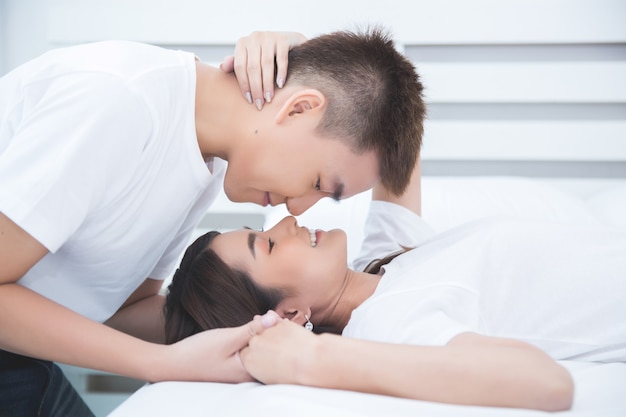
(205, 293)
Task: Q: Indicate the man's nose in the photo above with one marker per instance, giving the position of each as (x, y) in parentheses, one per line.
(298, 205)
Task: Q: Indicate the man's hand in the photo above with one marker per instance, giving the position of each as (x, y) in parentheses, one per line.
(213, 355)
(256, 58)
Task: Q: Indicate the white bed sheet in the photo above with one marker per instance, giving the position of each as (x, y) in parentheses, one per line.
(600, 392)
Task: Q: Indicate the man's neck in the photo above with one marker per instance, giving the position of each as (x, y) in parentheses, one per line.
(221, 114)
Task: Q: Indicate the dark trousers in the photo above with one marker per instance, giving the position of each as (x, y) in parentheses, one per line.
(34, 388)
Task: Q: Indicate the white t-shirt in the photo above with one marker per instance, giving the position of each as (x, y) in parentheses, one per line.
(99, 162)
(559, 287)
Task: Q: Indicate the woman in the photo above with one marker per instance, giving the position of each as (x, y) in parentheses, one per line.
(476, 315)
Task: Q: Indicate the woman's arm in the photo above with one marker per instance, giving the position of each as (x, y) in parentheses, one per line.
(392, 228)
(470, 370)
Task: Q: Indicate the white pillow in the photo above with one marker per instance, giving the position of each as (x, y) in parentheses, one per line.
(450, 201)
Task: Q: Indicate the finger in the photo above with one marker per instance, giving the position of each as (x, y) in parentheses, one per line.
(240, 67)
(282, 60)
(255, 327)
(268, 58)
(253, 68)
(244, 355)
(228, 64)
(269, 319)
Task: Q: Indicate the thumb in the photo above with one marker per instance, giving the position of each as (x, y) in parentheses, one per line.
(255, 327)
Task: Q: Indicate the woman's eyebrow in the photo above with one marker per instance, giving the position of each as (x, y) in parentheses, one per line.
(251, 239)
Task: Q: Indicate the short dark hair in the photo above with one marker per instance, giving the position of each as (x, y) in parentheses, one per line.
(374, 97)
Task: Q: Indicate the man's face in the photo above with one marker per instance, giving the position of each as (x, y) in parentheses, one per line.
(298, 171)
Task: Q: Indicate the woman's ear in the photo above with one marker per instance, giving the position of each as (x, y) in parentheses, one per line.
(301, 102)
(295, 315)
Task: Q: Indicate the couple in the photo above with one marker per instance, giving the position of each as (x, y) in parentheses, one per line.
(110, 154)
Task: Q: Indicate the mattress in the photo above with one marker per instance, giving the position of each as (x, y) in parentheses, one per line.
(600, 392)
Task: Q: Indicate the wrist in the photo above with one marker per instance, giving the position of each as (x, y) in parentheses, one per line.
(155, 363)
(313, 370)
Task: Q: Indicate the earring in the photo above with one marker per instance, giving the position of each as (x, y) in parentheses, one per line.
(308, 325)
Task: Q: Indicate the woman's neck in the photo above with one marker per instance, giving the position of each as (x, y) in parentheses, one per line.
(357, 287)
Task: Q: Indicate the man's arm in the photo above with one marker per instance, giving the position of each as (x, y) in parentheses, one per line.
(33, 325)
(471, 369)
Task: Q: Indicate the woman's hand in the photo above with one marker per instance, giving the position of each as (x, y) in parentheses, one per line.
(256, 58)
(281, 355)
(213, 355)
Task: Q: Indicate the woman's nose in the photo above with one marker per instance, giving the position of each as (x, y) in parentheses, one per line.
(286, 225)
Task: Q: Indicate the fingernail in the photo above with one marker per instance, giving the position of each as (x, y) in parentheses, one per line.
(249, 97)
(280, 82)
(268, 97)
(259, 103)
(269, 319)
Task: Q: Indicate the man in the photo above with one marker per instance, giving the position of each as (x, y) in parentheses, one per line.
(110, 153)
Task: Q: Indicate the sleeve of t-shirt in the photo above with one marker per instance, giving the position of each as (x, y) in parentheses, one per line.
(389, 228)
(74, 143)
(169, 261)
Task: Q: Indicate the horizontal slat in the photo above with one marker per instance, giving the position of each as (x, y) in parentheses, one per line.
(542, 82)
(516, 53)
(526, 111)
(418, 21)
(533, 169)
(525, 140)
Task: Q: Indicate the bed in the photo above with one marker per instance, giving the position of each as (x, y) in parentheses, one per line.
(599, 393)
(448, 201)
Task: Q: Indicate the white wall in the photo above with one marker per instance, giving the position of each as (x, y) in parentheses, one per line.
(520, 87)
(25, 31)
(528, 87)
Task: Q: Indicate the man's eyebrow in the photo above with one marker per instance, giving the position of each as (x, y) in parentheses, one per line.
(338, 193)
(251, 239)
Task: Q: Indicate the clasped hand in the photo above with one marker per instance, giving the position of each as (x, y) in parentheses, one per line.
(282, 354)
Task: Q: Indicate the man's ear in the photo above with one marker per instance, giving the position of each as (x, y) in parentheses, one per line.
(301, 102)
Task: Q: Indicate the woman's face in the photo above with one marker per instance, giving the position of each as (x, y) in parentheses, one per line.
(310, 268)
